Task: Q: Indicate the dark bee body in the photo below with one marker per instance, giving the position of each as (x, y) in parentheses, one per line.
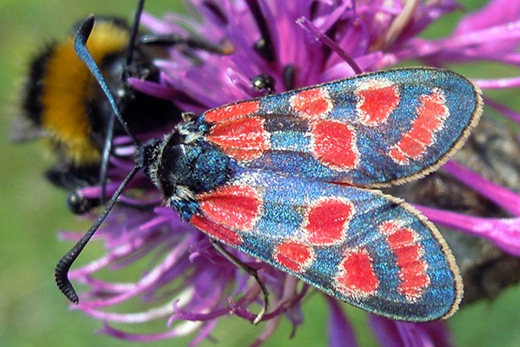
(64, 106)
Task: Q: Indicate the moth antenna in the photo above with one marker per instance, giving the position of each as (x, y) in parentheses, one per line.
(82, 52)
(62, 269)
(105, 156)
(63, 266)
(107, 147)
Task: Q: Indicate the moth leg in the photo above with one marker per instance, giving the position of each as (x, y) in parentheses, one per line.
(254, 273)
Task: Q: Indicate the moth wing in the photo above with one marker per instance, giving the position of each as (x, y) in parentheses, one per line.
(371, 130)
(360, 246)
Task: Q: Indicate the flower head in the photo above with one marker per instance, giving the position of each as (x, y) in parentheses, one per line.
(186, 282)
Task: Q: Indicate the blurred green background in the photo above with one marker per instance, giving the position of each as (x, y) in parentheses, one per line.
(32, 311)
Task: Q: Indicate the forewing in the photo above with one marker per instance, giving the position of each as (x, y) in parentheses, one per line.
(372, 130)
(360, 246)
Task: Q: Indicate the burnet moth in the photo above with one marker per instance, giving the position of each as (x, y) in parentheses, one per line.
(292, 179)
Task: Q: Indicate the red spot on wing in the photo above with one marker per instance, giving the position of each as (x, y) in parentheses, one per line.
(431, 115)
(376, 101)
(241, 139)
(229, 112)
(408, 252)
(233, 207)
(327, 221)
(356, 276)
(293, 255)
(314, 103)
(216, 231)
(334, 144)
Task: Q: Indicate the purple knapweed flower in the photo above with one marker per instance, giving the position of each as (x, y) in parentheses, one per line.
(184, 281)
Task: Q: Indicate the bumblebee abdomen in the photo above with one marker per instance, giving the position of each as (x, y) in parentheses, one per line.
(61, 87)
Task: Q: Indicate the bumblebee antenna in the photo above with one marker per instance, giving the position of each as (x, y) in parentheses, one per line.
(63, 266)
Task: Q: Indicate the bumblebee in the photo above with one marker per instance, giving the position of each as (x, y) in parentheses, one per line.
(63, 105)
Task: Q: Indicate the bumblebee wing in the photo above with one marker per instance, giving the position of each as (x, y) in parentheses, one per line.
(23, 129)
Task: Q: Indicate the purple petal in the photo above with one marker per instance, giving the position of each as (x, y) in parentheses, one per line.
(496, 12)
(385, 331)
(184, 329)
(505, 232)
(511, 114)
(498, 83)
(391, 333)
(341, 332)
(501, 196)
